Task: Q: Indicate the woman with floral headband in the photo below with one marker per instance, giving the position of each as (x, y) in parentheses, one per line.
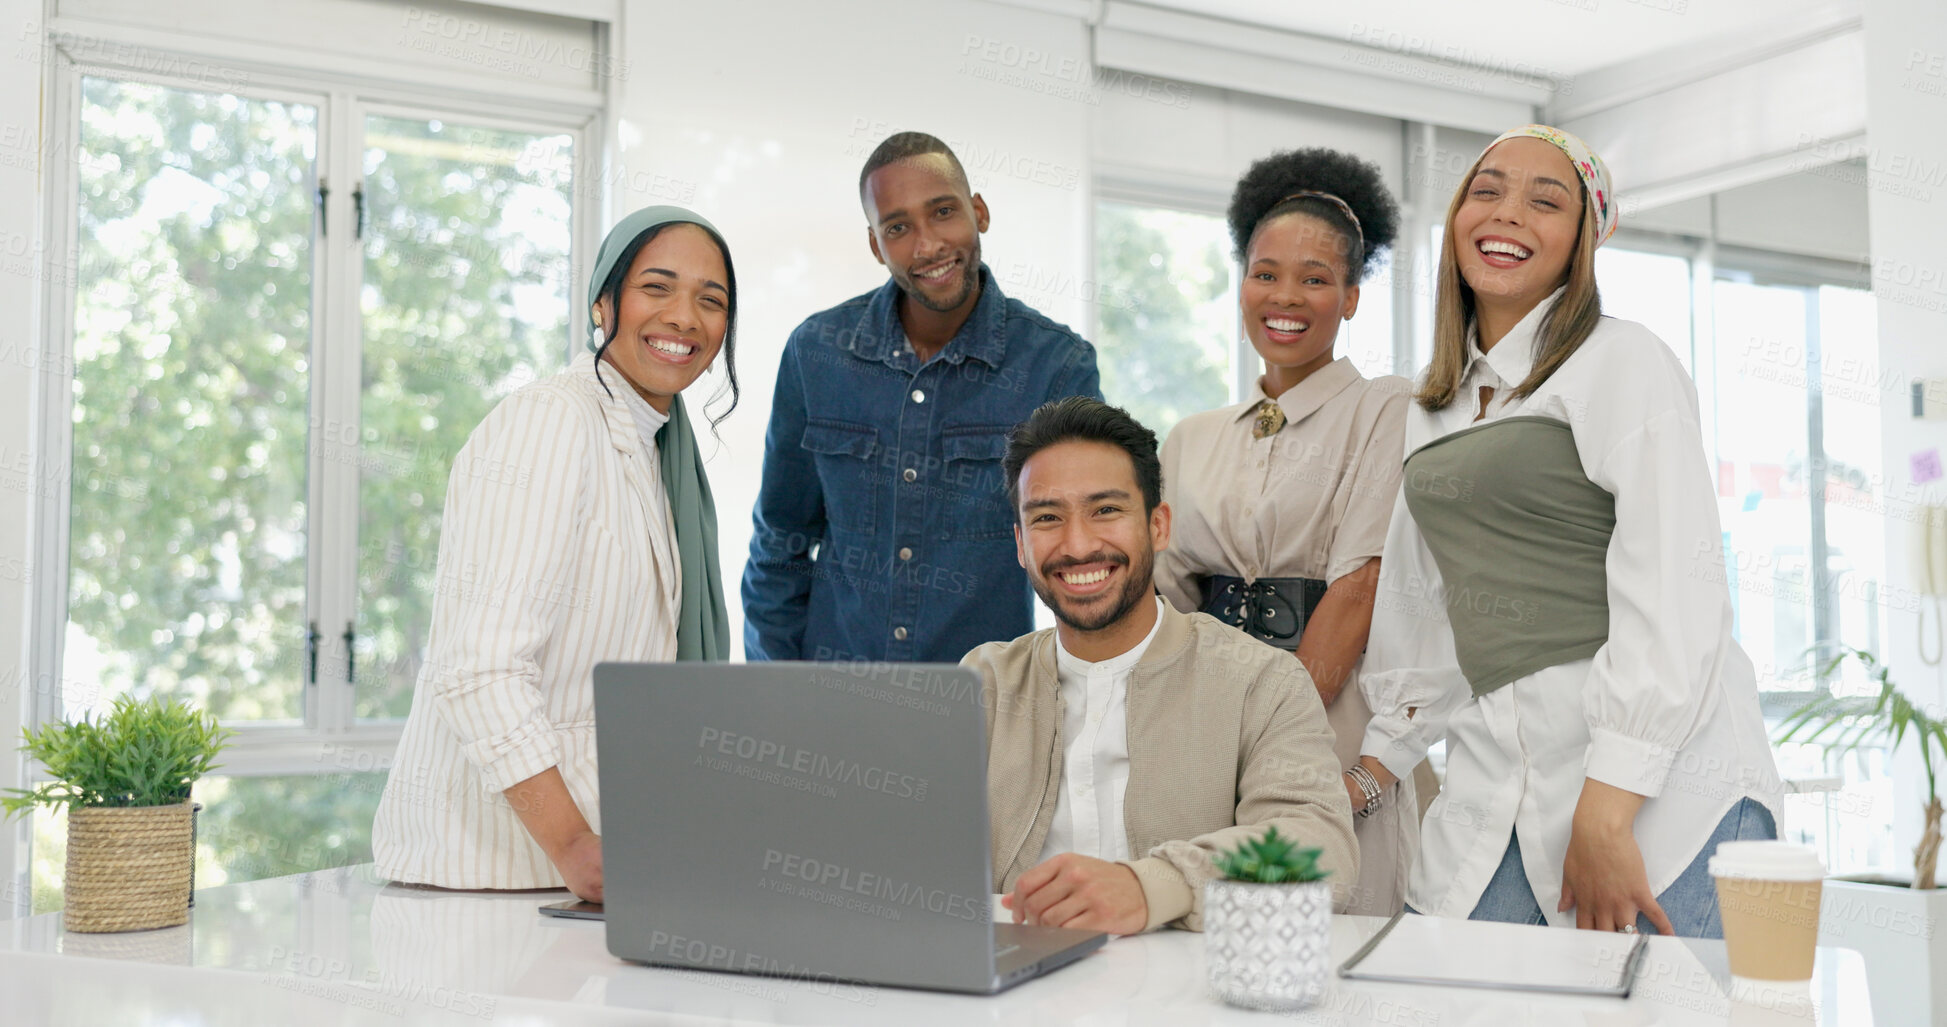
(1549, 602)
(1281, 501)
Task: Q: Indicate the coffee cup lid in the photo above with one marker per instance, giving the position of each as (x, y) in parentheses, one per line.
(1766, 860)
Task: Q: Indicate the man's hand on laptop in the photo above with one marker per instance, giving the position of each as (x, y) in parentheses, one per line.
(1080, 892)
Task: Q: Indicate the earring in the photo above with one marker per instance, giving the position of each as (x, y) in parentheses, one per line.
(597, 314)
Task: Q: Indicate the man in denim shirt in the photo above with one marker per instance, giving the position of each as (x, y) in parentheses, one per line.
(883, 530)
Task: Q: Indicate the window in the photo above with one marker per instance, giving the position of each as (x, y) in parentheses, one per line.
(1652, 289)
(1786, 365)
(1367, 339)
(1805, 525)
(189, 511)
(465, 299)
(1166, 338)
(291, 305)
(1798, 471)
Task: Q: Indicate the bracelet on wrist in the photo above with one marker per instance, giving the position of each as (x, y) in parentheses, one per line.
(1368, 786)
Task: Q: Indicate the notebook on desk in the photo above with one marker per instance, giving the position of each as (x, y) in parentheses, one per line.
(1415, 949)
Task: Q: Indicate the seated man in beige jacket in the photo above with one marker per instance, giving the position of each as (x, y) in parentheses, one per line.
(1131, 741)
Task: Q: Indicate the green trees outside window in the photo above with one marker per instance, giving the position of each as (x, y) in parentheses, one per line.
(205, 446)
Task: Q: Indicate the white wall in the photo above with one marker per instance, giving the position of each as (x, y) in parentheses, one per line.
(1906, 103)
(770, 108)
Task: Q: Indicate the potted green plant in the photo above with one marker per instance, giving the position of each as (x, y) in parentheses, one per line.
(1267, 924)
(125, 782)
(1896, 924)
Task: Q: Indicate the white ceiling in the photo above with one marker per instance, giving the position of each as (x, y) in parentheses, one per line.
(1548, 38)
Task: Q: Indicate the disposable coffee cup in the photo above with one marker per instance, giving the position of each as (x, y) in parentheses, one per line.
(1768, 897)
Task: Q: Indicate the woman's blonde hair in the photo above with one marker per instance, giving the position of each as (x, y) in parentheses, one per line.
(1563, 329)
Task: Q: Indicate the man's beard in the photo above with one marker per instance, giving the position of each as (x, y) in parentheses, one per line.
(969, 281)
(1136, 587)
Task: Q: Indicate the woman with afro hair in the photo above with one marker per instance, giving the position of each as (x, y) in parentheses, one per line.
(1282, 501)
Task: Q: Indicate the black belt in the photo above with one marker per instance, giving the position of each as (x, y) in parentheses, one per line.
(1273, 610)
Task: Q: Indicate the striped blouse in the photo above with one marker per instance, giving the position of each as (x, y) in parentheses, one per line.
(556, 554)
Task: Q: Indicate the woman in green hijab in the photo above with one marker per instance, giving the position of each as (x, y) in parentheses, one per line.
(579, 528)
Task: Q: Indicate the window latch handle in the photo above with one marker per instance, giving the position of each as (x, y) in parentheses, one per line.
(324, 222)
(350, 636)
(311, 639)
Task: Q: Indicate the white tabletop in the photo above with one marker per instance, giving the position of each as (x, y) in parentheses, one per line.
(343, 947)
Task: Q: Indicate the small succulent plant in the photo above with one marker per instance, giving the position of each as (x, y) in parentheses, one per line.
(1272, 859)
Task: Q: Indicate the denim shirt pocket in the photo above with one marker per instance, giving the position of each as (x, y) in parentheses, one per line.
(844, 455)
(975, 494)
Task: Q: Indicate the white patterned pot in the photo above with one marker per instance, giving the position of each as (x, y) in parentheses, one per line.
(1267, 946)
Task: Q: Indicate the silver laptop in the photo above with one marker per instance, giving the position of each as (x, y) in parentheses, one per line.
(812, 820)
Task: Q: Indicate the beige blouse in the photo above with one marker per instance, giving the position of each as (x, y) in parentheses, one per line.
(1311, 501)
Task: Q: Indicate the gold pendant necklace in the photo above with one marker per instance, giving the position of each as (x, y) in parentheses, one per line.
(1270, 419)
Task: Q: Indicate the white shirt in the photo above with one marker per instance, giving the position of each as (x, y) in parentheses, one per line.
(1667, 708)
(550, 561)
(1095, 761)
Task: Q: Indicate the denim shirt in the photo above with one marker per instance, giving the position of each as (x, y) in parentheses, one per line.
(883, 530)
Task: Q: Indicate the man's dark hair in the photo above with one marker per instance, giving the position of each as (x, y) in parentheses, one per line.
(1082, 419)
(906, 145)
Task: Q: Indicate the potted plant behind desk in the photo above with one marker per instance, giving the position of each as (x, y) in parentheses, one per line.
(1897, 924)
(125, 781)
(1267, 924)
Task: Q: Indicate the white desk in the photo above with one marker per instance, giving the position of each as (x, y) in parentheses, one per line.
(342, 947)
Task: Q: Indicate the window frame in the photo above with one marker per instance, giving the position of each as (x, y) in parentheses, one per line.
(329, 729)
(1807, 275)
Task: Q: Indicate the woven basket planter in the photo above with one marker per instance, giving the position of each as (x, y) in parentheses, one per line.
(128, 868)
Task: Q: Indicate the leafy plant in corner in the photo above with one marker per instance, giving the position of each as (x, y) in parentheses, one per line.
(1272, 859)
(143, 753)
(1845, 724)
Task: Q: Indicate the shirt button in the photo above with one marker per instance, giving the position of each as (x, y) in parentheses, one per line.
(910, 475)
(905, 553)
(899, 633)
(919, 395)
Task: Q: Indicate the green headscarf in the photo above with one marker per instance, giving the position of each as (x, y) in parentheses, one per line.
(703, 624)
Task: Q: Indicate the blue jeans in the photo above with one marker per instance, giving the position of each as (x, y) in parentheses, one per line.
(1690, 902)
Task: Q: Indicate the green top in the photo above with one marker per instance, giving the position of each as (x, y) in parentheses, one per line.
(1520, 535)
